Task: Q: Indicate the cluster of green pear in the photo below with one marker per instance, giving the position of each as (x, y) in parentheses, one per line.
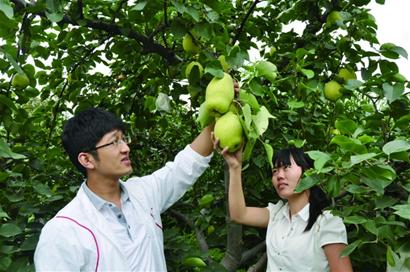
(219, 107)
(333, 89)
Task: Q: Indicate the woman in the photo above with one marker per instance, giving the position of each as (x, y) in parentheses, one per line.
(300, 237)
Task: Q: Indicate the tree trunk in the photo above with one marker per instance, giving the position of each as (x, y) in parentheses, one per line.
(233, 254)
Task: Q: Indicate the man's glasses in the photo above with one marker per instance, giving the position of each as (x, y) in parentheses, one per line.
(116, 142)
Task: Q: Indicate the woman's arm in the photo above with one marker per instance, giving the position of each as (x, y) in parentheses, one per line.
(239, 212)
(337, 263)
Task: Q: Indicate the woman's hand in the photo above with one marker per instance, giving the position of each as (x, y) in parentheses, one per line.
(234, 160)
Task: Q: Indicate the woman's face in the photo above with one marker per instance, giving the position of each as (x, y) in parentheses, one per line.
(285, 179)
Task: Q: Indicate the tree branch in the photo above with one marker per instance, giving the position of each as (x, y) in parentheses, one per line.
(240, 29)
(147, 44)
(260, 265)
(252, 252)
(203, 245)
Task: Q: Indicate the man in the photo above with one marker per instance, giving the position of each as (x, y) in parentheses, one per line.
(113, 225)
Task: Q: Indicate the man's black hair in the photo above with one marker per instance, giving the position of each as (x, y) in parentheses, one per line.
(83, 131)
(317, 198)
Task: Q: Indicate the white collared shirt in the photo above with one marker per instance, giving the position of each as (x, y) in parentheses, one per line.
(290, 248)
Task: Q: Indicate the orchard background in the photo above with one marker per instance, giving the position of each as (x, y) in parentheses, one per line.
(360, 142)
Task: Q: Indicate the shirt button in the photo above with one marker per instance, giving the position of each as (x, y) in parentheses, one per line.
(119, 216)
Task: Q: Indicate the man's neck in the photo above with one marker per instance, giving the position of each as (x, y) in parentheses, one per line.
(106, 188)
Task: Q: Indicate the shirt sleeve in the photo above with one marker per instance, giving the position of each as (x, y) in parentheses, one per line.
(274, 208)
(56, 250)
(168, 184)
(332, 230)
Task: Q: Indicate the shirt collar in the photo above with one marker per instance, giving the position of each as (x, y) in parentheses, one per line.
(99, 202)
(303, 213)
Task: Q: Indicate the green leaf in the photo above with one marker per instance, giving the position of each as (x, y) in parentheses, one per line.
(308, 73)
(250, 99)
(261, 120)
(266, 69)
(394, 92)
(247, 152)
(6, 8)
(256, 88)
(348, 144)
(396, 146)
(379, 171)
(402, 211)
(206, 200)
(377, 185)
(352, 84)
(346, 126)
(385, 202)
(12, 61)
(390, 256)
(320, 158)
(306, 183)
(269, 153)
(350, 248)
(162, 103)
(9, 230)
(247, 115)
(355, 219)
(139, 6)
(5, 262)
(363, 157)
(5, 152)
(392, 51)
(293, 104)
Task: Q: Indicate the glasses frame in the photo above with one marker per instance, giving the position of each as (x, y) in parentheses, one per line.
(115, 142)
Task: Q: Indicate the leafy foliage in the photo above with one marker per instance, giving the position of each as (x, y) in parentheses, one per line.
(360, 142)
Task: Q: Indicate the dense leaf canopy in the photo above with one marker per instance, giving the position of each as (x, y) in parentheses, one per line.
(128, 57)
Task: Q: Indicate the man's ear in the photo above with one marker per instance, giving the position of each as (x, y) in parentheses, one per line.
(86, 160)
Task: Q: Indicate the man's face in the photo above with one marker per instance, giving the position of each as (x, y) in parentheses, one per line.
(113, 156)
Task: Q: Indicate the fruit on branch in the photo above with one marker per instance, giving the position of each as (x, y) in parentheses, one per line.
(20, 81)
(228, 129)
(219, 95)
(189, 45)
(332, 90)
(346, 74)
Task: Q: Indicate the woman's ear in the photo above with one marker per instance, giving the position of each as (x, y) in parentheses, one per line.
(86, 160)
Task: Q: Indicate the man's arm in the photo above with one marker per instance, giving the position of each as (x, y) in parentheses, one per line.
(202, 144)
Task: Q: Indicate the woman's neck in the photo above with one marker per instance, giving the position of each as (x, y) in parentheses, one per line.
(297, 202)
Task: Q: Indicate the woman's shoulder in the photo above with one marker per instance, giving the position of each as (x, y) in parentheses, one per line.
(328, 219)
(275, 207)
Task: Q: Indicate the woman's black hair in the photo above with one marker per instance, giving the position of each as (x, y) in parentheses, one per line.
(317, 198)
(83, 131)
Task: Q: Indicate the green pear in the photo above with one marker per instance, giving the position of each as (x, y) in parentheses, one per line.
(204, 117)
(189, 45)
(219, 94)
(346, 74)
(20, 81)
(228, 129)
(334, 17)
(332, 90)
